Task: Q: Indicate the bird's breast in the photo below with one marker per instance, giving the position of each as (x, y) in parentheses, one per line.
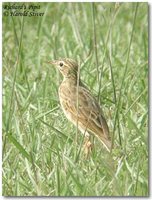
(67, 92)
(67, 96)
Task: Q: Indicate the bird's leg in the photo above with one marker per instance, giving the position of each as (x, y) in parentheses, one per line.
(87, 147)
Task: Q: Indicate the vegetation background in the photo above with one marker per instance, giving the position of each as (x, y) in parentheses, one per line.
(40, 153)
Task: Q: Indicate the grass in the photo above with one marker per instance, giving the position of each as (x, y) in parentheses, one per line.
(40, 155)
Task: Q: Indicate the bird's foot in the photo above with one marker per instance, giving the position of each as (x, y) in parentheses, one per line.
(87, 148)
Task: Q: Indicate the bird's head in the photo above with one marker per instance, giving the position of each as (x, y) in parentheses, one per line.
(66, 66)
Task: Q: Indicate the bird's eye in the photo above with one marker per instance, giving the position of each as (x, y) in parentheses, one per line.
(61, 64)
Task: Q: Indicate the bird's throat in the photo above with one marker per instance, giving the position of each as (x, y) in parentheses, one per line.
(72, 79)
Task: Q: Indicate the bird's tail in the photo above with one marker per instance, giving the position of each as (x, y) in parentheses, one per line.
(107, 143)
(105, 136)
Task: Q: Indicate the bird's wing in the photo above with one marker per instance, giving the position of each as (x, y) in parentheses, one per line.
(91, 109)
(88, 112)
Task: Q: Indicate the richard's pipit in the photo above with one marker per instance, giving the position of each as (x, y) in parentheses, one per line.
(79, 106)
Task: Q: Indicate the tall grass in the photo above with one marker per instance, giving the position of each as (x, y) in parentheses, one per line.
(40, 155)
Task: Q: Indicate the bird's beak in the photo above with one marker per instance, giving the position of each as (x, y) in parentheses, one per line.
(53, 62)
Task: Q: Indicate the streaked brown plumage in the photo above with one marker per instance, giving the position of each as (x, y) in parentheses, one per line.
(79, 106)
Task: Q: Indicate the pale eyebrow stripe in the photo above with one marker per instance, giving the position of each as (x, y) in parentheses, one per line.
(69, 63)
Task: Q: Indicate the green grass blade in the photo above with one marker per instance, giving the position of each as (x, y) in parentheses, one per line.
(123, 79)
(19, 146)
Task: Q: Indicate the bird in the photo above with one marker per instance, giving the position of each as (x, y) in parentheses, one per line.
(80, 106)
